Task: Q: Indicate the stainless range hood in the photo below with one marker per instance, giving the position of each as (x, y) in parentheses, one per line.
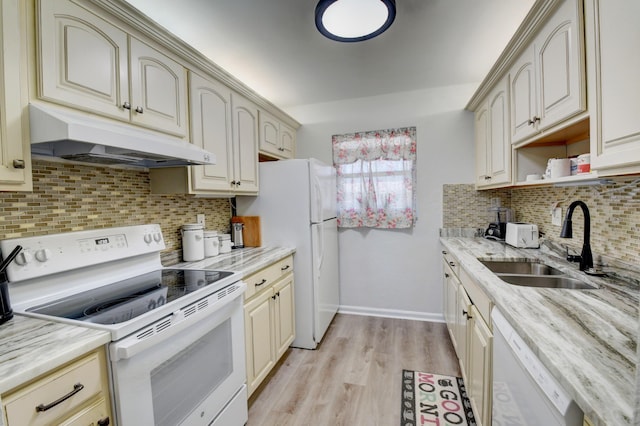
(58, 132)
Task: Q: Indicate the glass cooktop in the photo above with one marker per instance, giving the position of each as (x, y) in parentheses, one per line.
(127, 299)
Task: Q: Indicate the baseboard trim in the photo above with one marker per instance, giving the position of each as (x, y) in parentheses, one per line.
(390, 313)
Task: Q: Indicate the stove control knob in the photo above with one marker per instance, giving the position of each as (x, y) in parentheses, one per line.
(24, 257)
(148, 238)
(43, 255)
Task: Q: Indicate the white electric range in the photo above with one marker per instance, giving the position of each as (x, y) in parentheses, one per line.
(177, 350)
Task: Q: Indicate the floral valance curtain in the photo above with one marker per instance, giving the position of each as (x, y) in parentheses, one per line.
(376, 178)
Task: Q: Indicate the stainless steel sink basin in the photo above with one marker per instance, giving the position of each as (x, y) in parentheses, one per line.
(546, 281)
(520, 267)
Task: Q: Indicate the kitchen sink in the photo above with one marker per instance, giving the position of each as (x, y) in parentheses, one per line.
(547, 281)
(520, 267)
(533, 273)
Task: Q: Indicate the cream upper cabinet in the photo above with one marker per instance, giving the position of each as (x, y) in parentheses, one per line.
(210, 103)
(276, 138)
(613, 43)
(88, 63)
(225, 123)
(548, 79)
(15, 147)
(493, 147)
(245, 145)
(158, 90)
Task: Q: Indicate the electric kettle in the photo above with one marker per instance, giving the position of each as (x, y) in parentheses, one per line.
(237, 235)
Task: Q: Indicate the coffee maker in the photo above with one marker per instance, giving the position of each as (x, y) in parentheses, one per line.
(498, 216)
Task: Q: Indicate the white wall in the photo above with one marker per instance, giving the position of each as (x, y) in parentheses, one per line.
(398, 272)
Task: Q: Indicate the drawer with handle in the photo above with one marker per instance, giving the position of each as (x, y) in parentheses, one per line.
(56, 395)
(265, 277)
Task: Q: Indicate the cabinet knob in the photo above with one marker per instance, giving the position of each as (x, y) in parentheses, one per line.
(233, 182)
(285, 267)
(466, 314)
(444, 252)
(18, 164)
(104, 422)
(452, 263)
(261, 282)
(487, 178)
(126, 105)
(139, 110)
(533, 120)
(238, 183)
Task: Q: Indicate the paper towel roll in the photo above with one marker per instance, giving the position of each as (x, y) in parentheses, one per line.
(560, 167)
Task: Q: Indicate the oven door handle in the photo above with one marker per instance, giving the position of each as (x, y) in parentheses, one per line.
(132, 345)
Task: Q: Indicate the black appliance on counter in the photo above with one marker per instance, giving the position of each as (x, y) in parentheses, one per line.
(497, 229)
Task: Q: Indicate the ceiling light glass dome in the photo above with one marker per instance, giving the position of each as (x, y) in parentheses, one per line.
(354, 20)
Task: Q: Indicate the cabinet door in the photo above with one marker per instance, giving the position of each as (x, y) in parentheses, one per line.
(451, 285)
(259, 338)
(15, 149)
(480, 363)
(560, 66)
(82, 60)
(245, 145)
(285, 315)
(523, 97)
(287, 141)
(94, 415)
(269, 134)
(613, 37)
(499, 146)
(158, 90)
(481, 129)
(462, 320)
(211, 129)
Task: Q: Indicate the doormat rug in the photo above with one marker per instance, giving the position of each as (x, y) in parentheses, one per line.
(434, 399)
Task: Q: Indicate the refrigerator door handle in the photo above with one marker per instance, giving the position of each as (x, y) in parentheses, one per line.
(320, 245)
(316, 211)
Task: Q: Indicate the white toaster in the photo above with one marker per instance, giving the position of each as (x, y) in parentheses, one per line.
(522, 235)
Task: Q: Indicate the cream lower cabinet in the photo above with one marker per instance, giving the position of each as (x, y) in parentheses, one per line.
(269, 314)
(467, 314)
(74, 395)
(15, 147)
(613, 43)
(88, 63)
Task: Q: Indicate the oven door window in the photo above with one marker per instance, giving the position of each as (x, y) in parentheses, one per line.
(178, 387)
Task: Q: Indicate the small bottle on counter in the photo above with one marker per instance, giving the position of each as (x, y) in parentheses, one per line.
(225, 243)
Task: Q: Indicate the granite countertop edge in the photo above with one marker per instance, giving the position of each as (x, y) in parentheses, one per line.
(31, 347)
(586, 338)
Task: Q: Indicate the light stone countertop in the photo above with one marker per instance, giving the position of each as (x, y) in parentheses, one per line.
(245, 261)
(30, 347)
(586, 338)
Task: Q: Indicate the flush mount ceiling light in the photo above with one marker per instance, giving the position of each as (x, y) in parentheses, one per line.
(354, 20)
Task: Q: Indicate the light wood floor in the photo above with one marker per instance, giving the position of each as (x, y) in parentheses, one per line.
(354, 377)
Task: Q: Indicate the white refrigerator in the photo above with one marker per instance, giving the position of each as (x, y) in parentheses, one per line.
(297, 207)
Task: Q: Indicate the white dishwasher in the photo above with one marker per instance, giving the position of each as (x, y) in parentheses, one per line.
(524, 392)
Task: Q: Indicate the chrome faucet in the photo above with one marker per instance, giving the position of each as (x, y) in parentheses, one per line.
(585, 258)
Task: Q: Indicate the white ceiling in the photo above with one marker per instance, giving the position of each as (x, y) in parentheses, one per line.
(273, 46)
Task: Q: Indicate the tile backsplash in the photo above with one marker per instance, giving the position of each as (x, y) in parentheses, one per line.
(615, 221)
(71, 197)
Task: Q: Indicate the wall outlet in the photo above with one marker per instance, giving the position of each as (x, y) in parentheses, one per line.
(200, 219)
(556, 216)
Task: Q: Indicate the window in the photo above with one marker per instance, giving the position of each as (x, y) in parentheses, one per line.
(376, 178)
